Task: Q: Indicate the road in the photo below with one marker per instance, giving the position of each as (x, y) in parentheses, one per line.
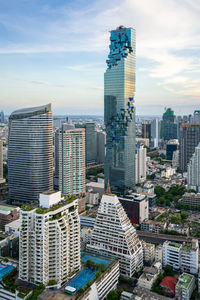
(160, 238)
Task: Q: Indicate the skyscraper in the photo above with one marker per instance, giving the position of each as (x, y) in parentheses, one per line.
(2, 118)
(169, 125)
(119, 111)
(30, 153)
(146, 130)
(70, 160)
(189, 138)
(194, 170)
(155, 132)
(141, 163)
(90, 142)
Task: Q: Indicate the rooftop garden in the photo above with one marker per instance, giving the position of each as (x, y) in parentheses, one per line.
(185, 280)
(41, 210)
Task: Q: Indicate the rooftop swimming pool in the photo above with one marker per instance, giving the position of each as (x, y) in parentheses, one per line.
(82, 278)
(5, 270)
(87, 274)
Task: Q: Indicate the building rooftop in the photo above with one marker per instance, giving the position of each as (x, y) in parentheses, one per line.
(6, 209)
(31, 110)
(169, 282)
(14, 224)
(173, 244)
(185, 280)
(95, 184)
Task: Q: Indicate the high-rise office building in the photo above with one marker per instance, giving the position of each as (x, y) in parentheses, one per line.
(2, 118)
(30, 153)
(90, 142)
(1, 160)
(49, 244)
(114, 235)
(197, 116)
(172, 145)
(194, 170)
(70, 160)
(169, 125)
(146, 130)
(155, 132)
(119, 111)
(141, 163)
(101, 142)
(189, 139)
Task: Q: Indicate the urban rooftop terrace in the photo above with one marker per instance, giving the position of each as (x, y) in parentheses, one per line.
(42, 210)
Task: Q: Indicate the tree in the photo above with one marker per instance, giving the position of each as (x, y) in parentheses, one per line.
(192, 191)
(159, 190)
(112, 295)
(183, 216)
(168, 270)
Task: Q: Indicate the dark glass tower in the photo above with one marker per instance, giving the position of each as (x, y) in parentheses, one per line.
(30, 153)
(119, 111)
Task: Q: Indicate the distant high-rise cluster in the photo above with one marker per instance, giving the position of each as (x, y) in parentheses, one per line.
(30, 153)
(119, 110)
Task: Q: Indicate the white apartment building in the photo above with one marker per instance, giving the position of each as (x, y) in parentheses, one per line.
(185, 286)
(114, 235)
(49, 244)
(182, 256)
(190, 257)
(148, 252)
(172, 254)
(70, 161)
(140, 163)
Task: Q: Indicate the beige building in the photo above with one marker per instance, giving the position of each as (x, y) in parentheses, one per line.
(148, 252)
(148, 277)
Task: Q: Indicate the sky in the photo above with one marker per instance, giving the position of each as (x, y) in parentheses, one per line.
(54, 51)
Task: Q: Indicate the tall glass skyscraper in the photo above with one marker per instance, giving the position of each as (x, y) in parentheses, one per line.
(30, 153)
(119, 110)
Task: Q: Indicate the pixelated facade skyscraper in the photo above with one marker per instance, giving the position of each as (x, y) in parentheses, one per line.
(119, 110)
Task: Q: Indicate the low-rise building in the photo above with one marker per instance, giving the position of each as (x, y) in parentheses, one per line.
(127, 296)
(97, 187)
(8, 213)
(191, 199)
(182, 256)
(190, 257)
(159, 254)
(153, 226)
(178, 228)
(172, 254)
(13, 227)
(92, 198)
(185, 286)
(148, 252)
(169, 285)
(148, 277)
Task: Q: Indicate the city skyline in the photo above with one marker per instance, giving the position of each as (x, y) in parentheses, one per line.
(64, 62)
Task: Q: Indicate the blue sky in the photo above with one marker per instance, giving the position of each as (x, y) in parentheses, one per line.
(55, 51)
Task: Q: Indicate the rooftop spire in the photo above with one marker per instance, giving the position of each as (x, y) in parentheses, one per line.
(108, 189)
